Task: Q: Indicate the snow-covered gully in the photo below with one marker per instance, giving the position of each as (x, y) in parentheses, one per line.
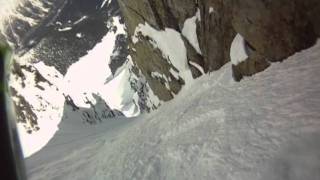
(265, 127)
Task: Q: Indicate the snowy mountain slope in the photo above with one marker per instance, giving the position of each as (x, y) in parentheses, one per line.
(71, 60)
(40, 94)
(265, 127)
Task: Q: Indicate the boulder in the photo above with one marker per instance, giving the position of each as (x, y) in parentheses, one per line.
(276, 29)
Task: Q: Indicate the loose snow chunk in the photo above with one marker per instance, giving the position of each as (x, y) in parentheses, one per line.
(238, 52)
(189, 30)
(171, 45)
(211, 10)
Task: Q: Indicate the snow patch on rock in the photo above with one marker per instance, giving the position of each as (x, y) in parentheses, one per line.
(197, 66)
(171, 45)
(238, 52)
(189, 31)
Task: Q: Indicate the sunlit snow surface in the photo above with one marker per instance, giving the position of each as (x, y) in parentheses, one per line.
(265, 127)
(89, 76)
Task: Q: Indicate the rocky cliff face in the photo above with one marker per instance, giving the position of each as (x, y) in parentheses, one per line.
(272, 31)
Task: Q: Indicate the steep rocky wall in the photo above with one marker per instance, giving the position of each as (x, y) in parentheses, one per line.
(215, 33)
(213, 28)
(272, 29)
(275, 30)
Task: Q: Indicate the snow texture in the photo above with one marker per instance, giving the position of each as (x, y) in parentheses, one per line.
(238, 52)
(265, 127)
(189, 31)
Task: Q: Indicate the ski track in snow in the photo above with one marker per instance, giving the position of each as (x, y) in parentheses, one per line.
(214, 129)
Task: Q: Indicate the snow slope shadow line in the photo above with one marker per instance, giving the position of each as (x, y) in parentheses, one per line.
(74, 140)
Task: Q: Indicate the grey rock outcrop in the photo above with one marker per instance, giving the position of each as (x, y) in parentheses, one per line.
(98, 111)
(273, 29)
(276, 29)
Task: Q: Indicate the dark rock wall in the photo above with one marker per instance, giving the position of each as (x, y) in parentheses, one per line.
(274, 29)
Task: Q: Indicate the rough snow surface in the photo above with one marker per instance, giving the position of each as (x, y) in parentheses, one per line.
(189, 30)
(238, 52)
(265, 127)
(171, 45)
